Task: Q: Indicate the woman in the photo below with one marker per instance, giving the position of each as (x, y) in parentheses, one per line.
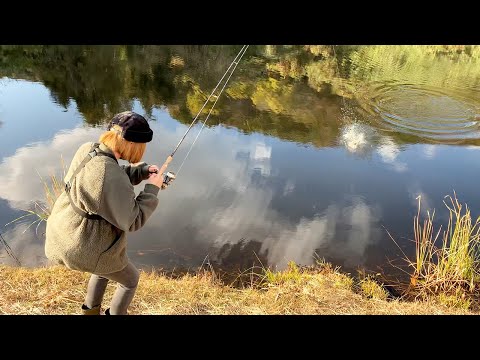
(87, 228)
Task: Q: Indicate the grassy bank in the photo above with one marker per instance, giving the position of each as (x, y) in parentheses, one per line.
(443, 277)
(323, 290)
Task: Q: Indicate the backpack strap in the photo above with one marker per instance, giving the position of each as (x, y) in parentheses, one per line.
(68, 186)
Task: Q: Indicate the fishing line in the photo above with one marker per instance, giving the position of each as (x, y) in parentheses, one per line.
(211, 94)
(208, 115)
(170, 175)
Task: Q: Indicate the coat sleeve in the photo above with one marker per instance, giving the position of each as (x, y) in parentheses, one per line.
(136, 172)
(118, 203)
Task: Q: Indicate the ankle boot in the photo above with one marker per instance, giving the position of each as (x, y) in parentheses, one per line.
(93, 311)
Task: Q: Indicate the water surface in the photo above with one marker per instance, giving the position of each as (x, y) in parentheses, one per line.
(312, 152)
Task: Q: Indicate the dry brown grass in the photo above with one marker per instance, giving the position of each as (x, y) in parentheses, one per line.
(57, 290)
(449, 271)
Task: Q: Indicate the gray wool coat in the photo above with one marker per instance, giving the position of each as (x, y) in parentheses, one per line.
(102, 187)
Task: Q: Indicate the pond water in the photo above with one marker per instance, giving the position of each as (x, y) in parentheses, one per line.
(312, 152)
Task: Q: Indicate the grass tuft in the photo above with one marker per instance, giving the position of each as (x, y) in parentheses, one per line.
(446, 264)
(41, 211)
(372, 290)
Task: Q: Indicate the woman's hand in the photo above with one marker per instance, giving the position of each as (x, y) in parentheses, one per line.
(156, 179)
(153, 169)
(156, 174)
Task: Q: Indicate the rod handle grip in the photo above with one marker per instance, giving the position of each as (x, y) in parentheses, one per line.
(165, 164)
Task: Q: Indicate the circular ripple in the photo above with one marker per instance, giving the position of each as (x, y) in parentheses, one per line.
(427, 111)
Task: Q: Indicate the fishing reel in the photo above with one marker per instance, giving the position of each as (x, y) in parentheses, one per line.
(168, 176)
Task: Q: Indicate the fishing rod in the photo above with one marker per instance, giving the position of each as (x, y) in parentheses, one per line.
(9, 250)
(171, 175)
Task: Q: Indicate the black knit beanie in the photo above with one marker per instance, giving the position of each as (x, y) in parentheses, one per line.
(134, 127)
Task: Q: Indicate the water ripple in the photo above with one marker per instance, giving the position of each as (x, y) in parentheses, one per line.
(427, 111)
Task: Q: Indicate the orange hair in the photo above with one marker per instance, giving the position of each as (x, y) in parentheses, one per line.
(130, 151)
